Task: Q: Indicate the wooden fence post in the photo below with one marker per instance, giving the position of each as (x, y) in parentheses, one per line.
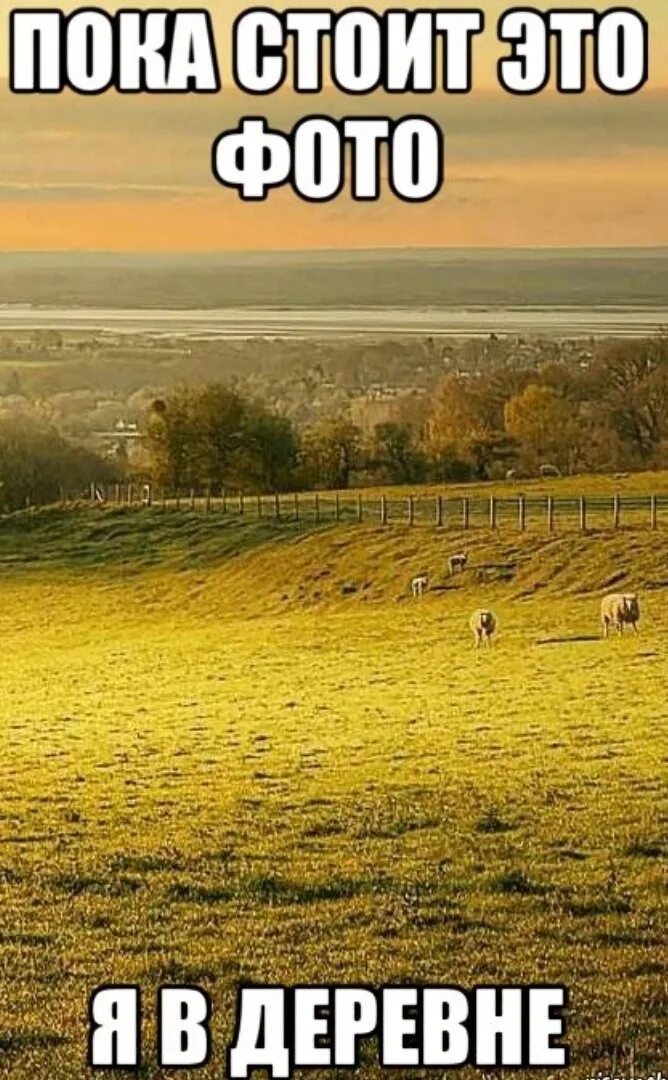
(242, 505)
(337, 507)
(316, 506)
(277, 507)
(163, 498)
(223, 496)
(117, 494)
(653, 517)
(259, 508)
(177, 499)
(131, 494)
(583, 514)
(296, 505)
(360, 509)
(439, 511)
(383, 510)
(550, 513)
(492, 512)
(615, 511)
(411, 510)
(192, 498)
(522, 512)
(465, 513)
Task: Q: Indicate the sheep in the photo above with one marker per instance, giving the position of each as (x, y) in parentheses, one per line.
(457, 563)
(419, 583)
(618, 610)
(483, 625)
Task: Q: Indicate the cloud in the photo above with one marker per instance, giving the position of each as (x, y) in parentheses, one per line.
(125, 171)
(39, 191)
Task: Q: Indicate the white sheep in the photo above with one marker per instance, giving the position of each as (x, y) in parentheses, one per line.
(619, 610)
(419, 583)
(457, 563)
(483, 625)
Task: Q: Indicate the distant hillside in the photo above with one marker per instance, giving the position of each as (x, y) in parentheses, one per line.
(389, 278)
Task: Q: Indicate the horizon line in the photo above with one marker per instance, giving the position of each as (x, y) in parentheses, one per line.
(386, 248)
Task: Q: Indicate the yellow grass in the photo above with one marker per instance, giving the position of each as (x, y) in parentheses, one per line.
(633, 483)
(211, 774)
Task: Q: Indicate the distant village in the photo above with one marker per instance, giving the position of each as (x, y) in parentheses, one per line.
(334, 412)
(97, 388)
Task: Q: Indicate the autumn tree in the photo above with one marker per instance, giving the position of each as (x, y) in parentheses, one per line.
(456, 417)
(462, 435)
(545, 426)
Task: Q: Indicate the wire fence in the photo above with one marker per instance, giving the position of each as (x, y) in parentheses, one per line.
(550, 512)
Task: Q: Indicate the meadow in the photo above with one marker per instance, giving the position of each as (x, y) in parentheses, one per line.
(238, 751)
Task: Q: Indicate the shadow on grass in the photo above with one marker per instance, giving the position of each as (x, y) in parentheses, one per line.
(137, 538)
(568, 639)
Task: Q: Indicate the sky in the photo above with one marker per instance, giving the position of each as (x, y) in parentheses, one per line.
(132, 173)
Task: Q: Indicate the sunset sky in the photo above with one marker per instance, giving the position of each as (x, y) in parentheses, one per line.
(133, 172)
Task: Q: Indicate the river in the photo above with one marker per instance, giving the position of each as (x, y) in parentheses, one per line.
(570, 322)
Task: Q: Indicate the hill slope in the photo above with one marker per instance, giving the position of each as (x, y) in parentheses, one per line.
(205, 783)
(249, 567)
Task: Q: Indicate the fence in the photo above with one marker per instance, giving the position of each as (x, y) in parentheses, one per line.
(522, 512)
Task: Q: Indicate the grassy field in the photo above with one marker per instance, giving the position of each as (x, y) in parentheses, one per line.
(237, 752)
(636, 483)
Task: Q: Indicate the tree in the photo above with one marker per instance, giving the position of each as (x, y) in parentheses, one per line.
(331, 451)
(271, 450)
(456, 416)
(545, 426)
(211, 435)
(492, 454)
(633, 387)
(170, 441)
(461, 433)
(223, 451)
(36, 464)
(395, 452)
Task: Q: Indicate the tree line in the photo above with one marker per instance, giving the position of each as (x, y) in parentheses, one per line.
(605, 415)
(39, 466)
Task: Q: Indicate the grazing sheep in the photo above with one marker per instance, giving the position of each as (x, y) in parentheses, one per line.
(457, 563)
(619, 610)
(483, 625)
(419, 584)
